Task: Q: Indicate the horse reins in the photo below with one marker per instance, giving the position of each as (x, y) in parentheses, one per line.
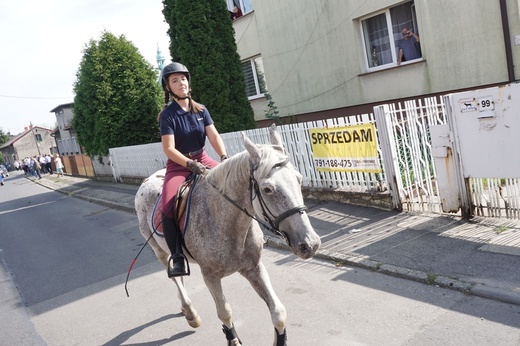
(271, 222)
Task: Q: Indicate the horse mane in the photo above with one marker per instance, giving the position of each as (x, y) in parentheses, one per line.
(236, 169)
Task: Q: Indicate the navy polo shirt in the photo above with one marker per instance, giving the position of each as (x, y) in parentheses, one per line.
(189, 129)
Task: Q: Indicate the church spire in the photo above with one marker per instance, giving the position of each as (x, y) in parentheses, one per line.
(160, 59)
(160, 64)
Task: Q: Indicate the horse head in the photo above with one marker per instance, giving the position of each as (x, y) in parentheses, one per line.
(278, 198)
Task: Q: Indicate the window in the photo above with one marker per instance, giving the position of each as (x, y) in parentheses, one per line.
(243, 5)
(382, 35)
(253, 72)
(38, 137)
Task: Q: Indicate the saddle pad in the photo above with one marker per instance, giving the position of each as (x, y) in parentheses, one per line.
(180, 205)
(157, 218)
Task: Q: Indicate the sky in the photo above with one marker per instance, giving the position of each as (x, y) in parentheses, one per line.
(42, 43)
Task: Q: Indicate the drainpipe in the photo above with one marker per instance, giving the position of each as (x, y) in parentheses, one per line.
(507, 41)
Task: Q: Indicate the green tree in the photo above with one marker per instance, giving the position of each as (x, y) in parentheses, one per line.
(202, 38)
(117, 97)
(4, 137)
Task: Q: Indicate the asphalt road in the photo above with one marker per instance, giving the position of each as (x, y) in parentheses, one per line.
(64, 262)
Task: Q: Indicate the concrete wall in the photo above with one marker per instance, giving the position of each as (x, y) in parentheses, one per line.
(246, 34)
(314, 60)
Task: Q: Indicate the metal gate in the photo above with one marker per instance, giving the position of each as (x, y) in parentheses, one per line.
(432, 168)
(404, 134)
(484, 138)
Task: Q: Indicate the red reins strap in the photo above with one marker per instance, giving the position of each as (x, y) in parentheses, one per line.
(133, 262)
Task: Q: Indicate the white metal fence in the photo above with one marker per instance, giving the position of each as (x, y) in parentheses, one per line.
(408, 125)
(404, 148)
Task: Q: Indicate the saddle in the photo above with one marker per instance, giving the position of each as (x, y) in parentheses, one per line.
(180, 205)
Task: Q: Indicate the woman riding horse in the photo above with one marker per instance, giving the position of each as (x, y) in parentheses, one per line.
(184, 126)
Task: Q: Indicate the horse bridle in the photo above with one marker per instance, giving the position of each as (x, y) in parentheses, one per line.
(271, 222)
(268, 216)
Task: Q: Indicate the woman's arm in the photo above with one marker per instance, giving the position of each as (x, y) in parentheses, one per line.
(168, 146)
(216, 141)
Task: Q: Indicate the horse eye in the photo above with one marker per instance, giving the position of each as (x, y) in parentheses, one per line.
(268, 190)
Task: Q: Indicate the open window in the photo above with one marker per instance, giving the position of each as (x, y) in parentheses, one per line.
(382, 35)
(243, 5)
(253, 72)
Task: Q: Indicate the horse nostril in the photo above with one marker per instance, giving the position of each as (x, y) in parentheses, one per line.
(303, 248)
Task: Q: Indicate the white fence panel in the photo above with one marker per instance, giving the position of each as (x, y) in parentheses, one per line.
(102, 166)
(140, 161)
(137, 161)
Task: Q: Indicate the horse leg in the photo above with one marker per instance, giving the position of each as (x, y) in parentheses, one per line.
(260, 281)
(224, 312)
(192, 316)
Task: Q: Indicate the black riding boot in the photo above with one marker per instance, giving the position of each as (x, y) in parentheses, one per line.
(177, 261)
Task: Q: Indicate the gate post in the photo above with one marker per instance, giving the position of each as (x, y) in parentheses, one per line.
(466, 207)
(389, 155)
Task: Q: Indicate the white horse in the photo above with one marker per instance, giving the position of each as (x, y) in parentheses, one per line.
(222, 235)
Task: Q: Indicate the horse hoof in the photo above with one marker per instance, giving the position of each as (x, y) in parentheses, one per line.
(194, 322)
(234, 342)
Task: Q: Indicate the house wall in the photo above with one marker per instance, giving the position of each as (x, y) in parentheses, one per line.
(246, 33)
(314, 59)
(8, 153)
(27, 146)
(66, 141)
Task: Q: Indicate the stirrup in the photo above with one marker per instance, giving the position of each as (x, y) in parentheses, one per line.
(177, 266)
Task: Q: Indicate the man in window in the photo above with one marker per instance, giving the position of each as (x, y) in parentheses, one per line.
(409, 48)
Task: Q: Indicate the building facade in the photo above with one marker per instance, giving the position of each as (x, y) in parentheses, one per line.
(326, 58)
(65, 134)
(35, 140)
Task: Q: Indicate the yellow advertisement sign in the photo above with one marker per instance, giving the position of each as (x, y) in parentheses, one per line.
(345, 149)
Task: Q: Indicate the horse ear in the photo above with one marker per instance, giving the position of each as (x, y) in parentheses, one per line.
(276, 139)
(254, 152)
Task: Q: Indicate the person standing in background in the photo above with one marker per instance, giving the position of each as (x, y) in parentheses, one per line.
(59, 165)
(48, 164)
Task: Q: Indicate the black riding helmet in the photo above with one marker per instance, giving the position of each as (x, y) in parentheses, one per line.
(169, 69)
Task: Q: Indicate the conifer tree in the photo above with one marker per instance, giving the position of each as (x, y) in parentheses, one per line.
(117, 96)
(202, 38)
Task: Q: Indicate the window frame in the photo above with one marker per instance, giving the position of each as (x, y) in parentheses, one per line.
(259, 93)
(393, 42)
(231, 4)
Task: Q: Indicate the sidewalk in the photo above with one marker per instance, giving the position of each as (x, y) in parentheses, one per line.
(480, 257)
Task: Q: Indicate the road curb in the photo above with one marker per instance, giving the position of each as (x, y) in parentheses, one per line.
(478, 290)
(496, 294)
(77, 194)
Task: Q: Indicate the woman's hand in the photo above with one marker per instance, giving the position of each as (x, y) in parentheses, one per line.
(195, 167)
